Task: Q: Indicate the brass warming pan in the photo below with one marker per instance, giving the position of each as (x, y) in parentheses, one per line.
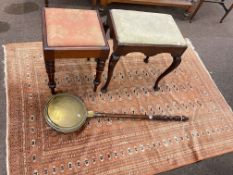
(67, 113)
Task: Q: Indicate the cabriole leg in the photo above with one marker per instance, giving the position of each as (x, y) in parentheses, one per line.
(112, 63)
(175, 63)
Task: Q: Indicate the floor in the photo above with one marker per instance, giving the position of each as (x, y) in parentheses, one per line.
(20, 21)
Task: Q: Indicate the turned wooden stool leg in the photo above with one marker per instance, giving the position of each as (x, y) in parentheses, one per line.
(112, 63)
(146, 60)
(175, 63)
(50, 69)
(99, 70)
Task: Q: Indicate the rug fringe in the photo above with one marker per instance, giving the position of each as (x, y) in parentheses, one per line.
(7, 107)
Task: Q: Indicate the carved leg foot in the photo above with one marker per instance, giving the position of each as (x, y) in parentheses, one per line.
(50, 69)
(146, 60)
(99, 70)
(175, 63)
(112, 63)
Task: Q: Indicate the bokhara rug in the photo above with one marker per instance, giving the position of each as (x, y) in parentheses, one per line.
(119, 146)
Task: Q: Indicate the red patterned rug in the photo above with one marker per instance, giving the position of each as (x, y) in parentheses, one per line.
(107, 146)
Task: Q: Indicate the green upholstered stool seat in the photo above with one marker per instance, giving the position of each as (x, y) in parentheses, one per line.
(135, 27)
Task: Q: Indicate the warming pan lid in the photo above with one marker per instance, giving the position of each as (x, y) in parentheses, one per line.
(65, 113)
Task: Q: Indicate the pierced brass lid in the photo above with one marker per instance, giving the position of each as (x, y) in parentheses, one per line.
(65, 113)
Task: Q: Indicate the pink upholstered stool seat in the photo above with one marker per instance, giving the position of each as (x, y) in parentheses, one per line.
(73, 33)
(73, 27)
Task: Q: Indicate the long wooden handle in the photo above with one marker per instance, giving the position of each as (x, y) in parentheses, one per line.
(150, 117)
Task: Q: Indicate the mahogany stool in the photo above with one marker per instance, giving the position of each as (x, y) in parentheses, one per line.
(149, 33)
(73, 33)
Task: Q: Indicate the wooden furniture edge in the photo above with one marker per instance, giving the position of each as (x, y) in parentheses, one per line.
(168, 3)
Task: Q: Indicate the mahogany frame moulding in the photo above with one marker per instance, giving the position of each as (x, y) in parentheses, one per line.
(80, 52)
(121, 49)
(169, 3)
